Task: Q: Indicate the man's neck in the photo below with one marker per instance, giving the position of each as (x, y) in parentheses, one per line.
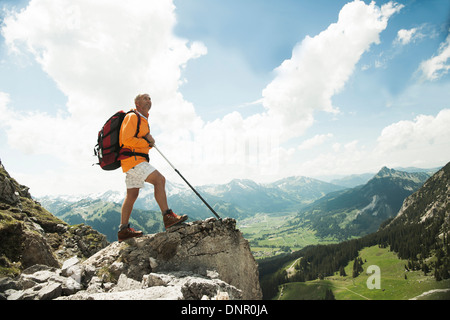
(142, 114)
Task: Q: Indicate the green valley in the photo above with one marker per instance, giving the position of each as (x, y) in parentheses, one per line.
(396, 282)
(272, 234)
(408, 257)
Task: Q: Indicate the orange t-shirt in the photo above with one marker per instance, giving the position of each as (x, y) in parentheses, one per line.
(128, 140)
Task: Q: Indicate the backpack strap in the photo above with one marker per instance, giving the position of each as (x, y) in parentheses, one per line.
(127, 153)
(139, 121)
(138, 124)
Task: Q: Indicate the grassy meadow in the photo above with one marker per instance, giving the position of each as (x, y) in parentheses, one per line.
(395, 282)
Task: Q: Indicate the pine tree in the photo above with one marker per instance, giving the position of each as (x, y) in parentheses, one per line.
(357, 267)
(329, 295)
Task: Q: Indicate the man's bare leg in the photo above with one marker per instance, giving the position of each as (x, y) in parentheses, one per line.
(128, 203)
(159, 183)
(125, 232)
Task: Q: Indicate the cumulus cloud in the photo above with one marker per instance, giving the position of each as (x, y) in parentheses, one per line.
(439, 65)
(406, 36)
(102, 53)
(4, 100)
(317, 70)
(314, 141)
(320, 66)
(426, 135)
(421, 142)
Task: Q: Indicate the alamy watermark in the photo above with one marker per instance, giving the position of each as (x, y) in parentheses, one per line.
(374, 280)
(237, 149)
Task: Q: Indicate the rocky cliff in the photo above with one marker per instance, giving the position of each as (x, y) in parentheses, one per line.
(42, 257)
(31, 235)
(199, 260)
(430, 201)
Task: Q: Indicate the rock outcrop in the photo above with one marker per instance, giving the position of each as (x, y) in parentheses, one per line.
(42, 258)
(197, 247)
(31, 235)
(199, 260)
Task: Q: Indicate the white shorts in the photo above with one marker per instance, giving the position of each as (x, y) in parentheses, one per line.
(135, 177)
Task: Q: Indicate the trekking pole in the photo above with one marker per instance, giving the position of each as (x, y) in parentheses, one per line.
(195, 191)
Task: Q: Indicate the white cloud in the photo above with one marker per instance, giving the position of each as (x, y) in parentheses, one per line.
(405, 36)
(320, 66)
(426, 139)
(4, 101)
(342, 159)
(422, 142)
(318, 69)
(314, 141)
(439, 65)
(102, 53)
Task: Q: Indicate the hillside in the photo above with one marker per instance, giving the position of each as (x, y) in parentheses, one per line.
(419, 236)
(30, 235)
(361, 210)
(396, 282)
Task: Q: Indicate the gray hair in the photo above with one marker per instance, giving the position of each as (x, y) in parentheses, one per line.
(139, 97)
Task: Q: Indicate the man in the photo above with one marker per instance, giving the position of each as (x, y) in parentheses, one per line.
(138, 170)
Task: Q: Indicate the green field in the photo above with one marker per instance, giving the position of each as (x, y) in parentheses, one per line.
(393, 284)
(268, 234)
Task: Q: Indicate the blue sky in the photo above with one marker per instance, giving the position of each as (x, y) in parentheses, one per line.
(241, 89)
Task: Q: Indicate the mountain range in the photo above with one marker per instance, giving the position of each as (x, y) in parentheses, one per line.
(360, 210)
(237, 199)
(332, 210)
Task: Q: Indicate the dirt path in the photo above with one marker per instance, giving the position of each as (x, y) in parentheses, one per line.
(291, 270)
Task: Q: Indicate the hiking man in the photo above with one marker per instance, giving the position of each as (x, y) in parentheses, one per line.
(138, 170)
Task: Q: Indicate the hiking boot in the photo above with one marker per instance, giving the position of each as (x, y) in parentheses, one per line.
(170, 219)
(128, 233)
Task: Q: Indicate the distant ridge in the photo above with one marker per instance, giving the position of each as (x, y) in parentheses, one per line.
(361, 210)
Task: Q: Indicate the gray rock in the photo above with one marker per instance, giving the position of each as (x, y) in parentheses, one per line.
(68, 264)
(199, 260)
(9, 284)
(174, 286)
(196, 247)
(126, 284)
(50, 291)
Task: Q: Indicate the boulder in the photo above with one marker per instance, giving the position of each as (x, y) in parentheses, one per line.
(197, 247)
(198, 260)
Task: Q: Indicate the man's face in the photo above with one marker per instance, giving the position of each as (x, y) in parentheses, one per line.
(145, 103)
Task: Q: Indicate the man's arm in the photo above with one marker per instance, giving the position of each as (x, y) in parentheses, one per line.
(150, 140)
